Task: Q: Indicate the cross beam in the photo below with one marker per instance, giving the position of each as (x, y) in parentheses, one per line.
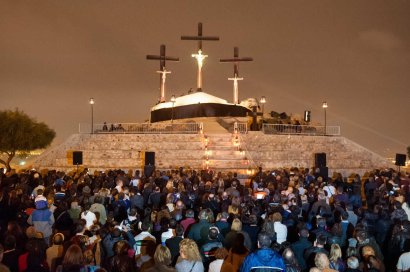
(162, 57)
(199, 56)
(236, 77)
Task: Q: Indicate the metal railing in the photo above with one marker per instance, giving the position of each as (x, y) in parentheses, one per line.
(301, 130)
(240, 127)
(141, 128)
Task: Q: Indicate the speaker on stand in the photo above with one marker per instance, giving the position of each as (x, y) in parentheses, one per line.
(400, 160)
(77, 158)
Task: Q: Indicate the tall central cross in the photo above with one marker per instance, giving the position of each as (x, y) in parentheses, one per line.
(199, 56)
(236, 77)
(162, 69)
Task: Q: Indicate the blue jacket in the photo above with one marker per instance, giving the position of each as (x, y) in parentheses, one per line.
(42, 220)
(264, 259)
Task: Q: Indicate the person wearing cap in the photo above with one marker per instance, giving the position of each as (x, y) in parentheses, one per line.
(42, 218)
(210, 246)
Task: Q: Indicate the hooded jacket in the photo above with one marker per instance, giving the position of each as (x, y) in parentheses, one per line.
(42, 220)
(264, 259)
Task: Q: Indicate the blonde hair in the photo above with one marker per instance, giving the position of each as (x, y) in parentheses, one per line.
(335, 252)
(190, 249)
(162, 255)
(236, 225)
(321, 261)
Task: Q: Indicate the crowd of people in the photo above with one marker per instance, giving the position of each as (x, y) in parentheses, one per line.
(182, 220)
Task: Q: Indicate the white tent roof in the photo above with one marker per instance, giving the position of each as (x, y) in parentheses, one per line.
(189, 99)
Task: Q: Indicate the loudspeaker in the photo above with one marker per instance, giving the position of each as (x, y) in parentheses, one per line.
(400, 159)
(77, 157)
(320, 160)
(149, 158)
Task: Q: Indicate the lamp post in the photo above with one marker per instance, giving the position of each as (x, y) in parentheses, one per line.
(324, 106)
(92, 114)
(173, 99)
(262, 101)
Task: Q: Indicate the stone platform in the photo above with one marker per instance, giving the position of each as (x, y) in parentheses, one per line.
(216, 148)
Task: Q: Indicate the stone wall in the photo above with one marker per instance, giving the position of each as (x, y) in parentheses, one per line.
(342, 154)
(125, 151)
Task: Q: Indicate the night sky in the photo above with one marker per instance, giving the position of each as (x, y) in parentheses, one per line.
(56, 55)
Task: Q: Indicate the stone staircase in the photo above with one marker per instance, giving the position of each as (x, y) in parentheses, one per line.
(222, 152)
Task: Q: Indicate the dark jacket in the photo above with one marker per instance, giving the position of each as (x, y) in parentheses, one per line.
(223, 226)
(199, 231)
(173, 245)
(264, 257)
(299, 248)
(310, 255)
(252, 231)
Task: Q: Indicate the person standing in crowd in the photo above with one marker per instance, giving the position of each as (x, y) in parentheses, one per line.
(199, 231)
(162, 259)
(264, 257)
(300, 246)
(73, 260)
(190, 259)
(42, 218)
(295, 203)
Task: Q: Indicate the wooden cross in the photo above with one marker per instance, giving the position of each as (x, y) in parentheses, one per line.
(162, 57)
(236, 77)
(199, 56)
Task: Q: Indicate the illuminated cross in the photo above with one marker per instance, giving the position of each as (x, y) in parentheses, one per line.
(236, 77)
(199, 56)
(162, 70)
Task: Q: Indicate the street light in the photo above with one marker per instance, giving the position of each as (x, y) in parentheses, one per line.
(262, 101)
(173, 99)
(324, 106)
(92, 114)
